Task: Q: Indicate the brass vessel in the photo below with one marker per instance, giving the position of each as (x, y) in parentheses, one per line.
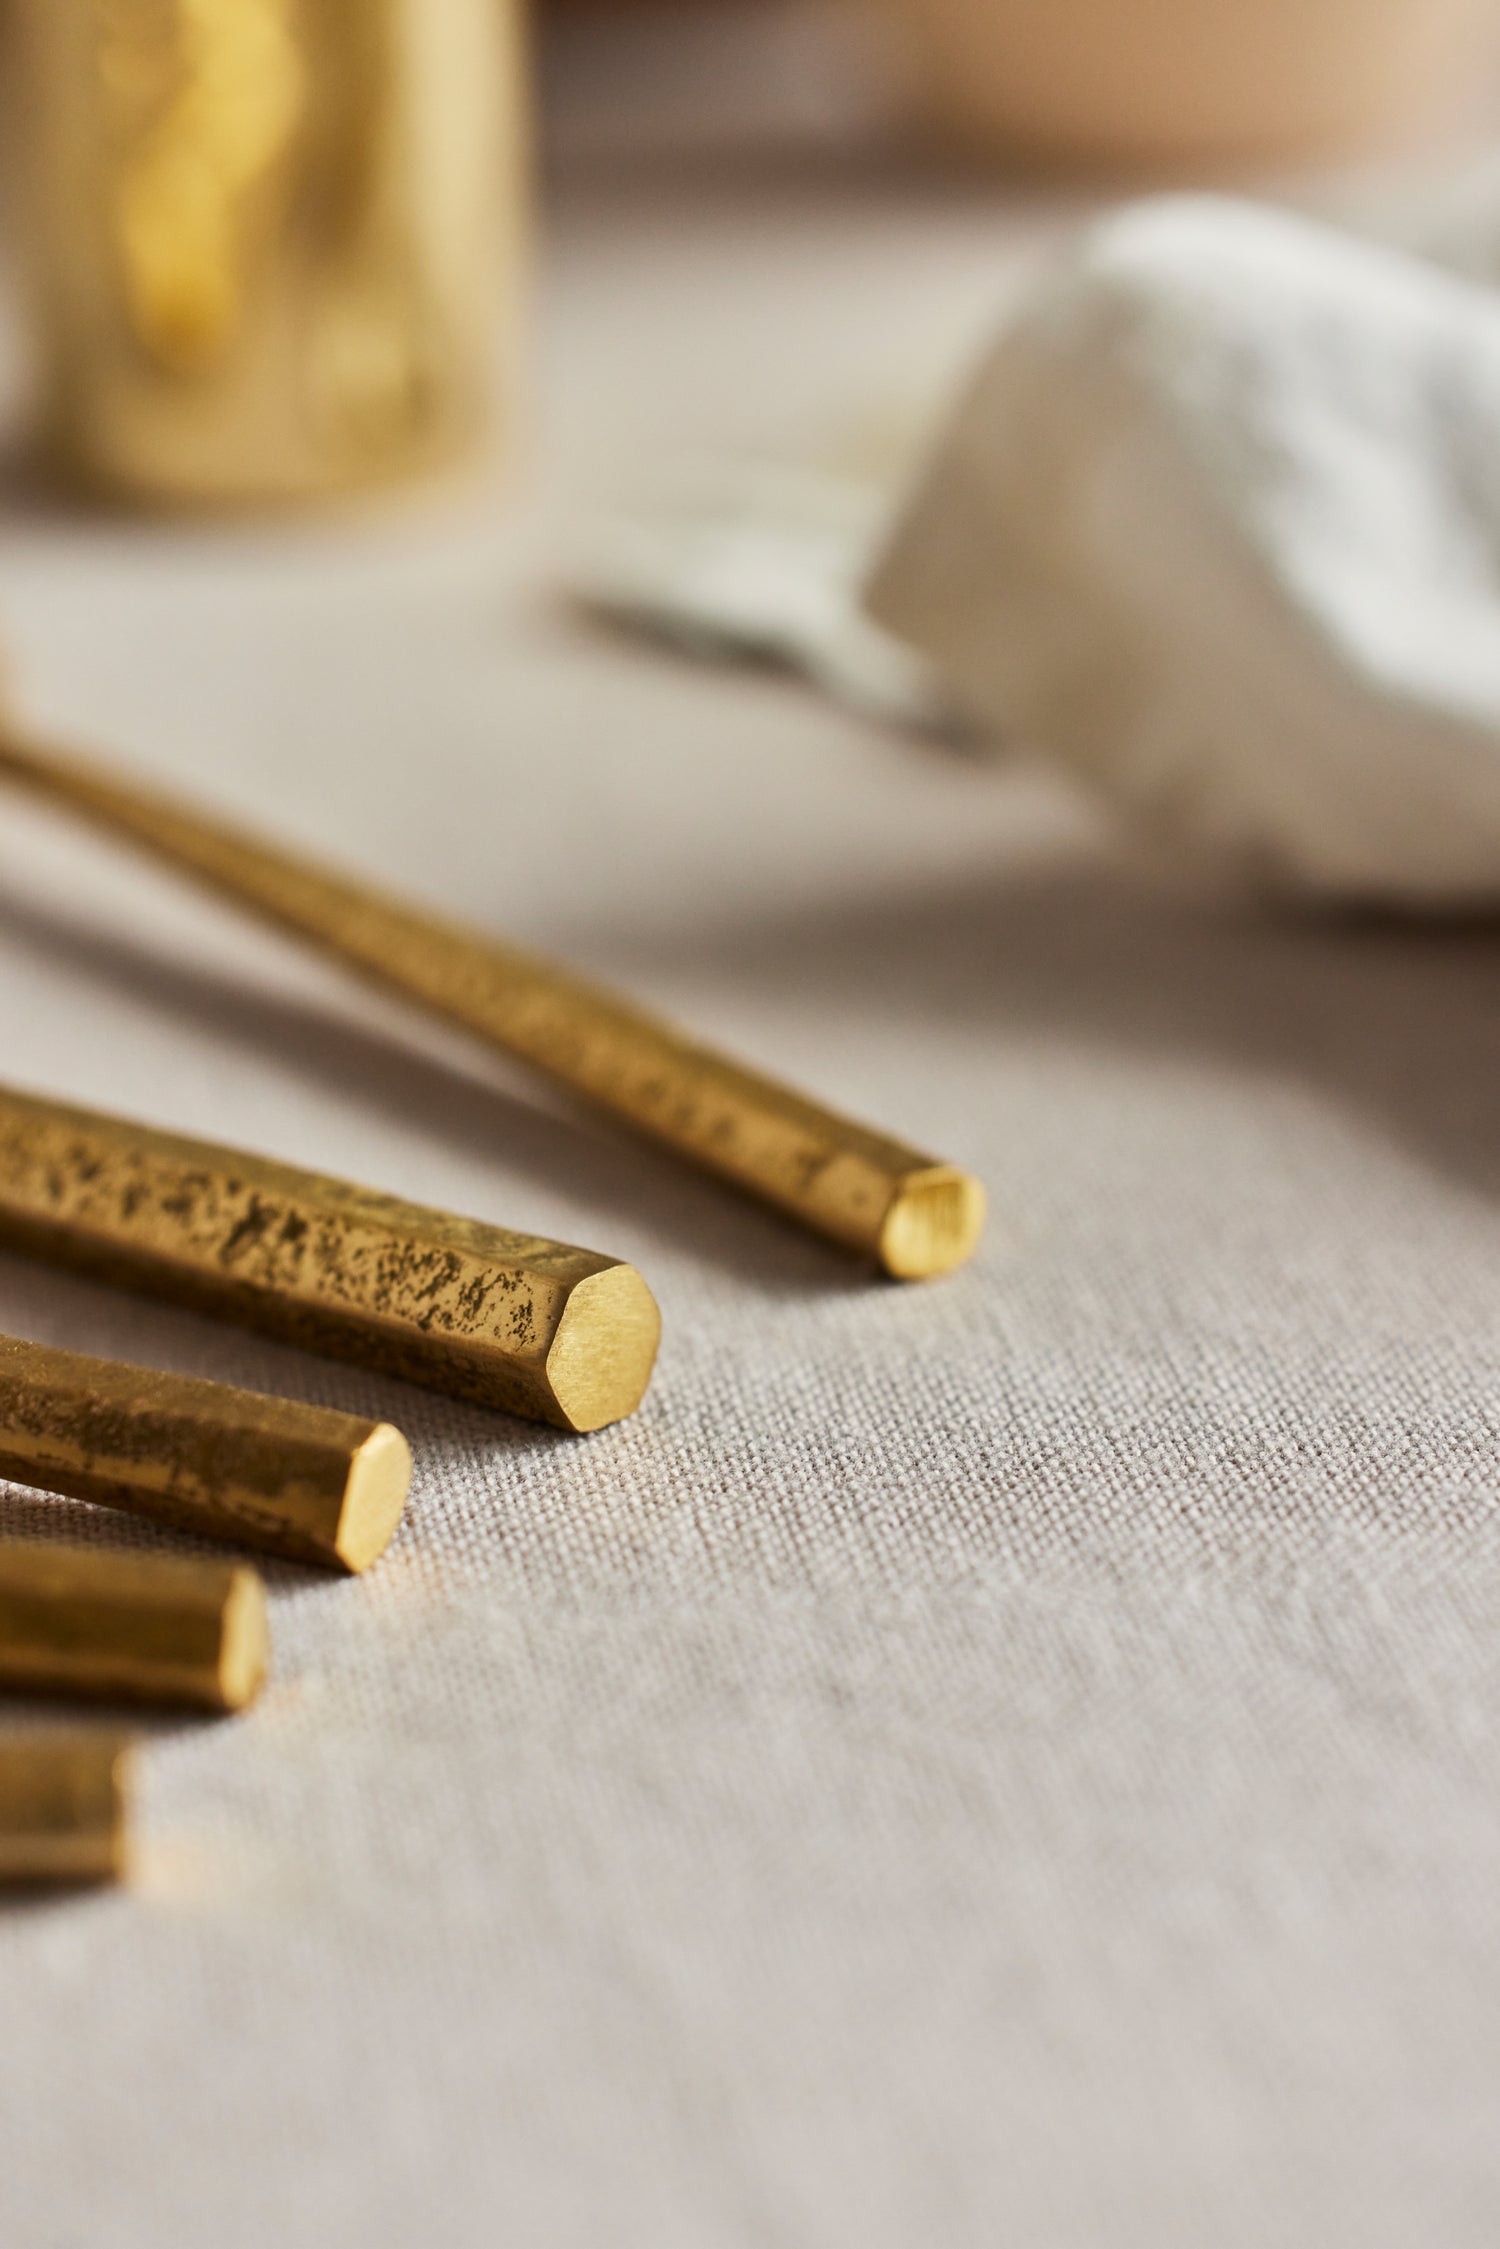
(267, 237)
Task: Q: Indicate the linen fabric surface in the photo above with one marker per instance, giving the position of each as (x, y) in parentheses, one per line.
(1006, 1761)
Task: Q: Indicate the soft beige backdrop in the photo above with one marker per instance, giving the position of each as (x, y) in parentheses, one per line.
(1013, 1762)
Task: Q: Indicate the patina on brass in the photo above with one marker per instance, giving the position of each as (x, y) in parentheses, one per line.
(297, 1480)
(86, 1620)
(64, 1804)
(871, 1194)
(507, 1320)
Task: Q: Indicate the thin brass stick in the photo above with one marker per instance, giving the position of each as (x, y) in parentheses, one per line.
(296, 1480)
(507, 1320)
(64, 1804)
(86, 1620)
(873, 1195)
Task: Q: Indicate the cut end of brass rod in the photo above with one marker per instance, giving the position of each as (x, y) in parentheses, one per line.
(933, 1224)
(872, 1195)
(503, 1319)
(64, 1808)
(604, 1350)
(291, 1479)
(244, 1642)
(80, 1620)
(374, 1498)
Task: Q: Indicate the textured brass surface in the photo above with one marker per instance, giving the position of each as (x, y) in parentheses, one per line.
(267, 236)
(212, 91)
(64, 1802)
(86, 1620)
(871, 1194)
(507, 1320)
(296, 1480)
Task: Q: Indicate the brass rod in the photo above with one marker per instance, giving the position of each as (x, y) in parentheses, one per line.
(299, 1481)
(64, 1807)
(88, 1620)
(506, 1320)
(873, 1195)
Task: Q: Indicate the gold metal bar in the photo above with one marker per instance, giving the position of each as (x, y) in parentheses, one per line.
(507, 1320)
(297, 1480)
(64, 1804)
(86, 1620)
(915, 1216)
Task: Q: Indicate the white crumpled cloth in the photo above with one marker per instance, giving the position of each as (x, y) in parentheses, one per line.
(1216, 522)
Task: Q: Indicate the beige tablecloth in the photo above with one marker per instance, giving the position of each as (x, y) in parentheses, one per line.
(1006, 1762)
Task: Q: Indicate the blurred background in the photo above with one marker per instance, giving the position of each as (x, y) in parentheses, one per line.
(256, 244)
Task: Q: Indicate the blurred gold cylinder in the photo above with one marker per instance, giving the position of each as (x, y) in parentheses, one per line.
(274, 243)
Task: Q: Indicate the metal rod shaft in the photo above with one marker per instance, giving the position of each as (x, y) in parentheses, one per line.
(64, 1807)
(88, 1620)
(915, 1216)
(506, 1320)
(295, 1480)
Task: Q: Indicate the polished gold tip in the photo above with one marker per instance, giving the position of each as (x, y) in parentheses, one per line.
(933, 1224)
(374, 1498)
(245, 1642)
(604, 1350)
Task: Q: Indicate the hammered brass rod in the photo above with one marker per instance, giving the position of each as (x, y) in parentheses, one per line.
(89, 1620)
(873, 1195)
(296, 1480)
(64, 1807)
(506, 1320)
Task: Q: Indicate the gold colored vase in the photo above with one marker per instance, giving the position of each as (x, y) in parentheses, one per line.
(273, 243)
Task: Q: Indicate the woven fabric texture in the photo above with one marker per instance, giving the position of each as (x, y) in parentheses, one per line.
(1006, 1761)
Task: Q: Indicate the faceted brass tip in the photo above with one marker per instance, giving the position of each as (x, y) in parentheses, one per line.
(379, 1480)
(245, 1643)
(464, 1307)
(827, 1172)
(933, 1224)
(604, 1350)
